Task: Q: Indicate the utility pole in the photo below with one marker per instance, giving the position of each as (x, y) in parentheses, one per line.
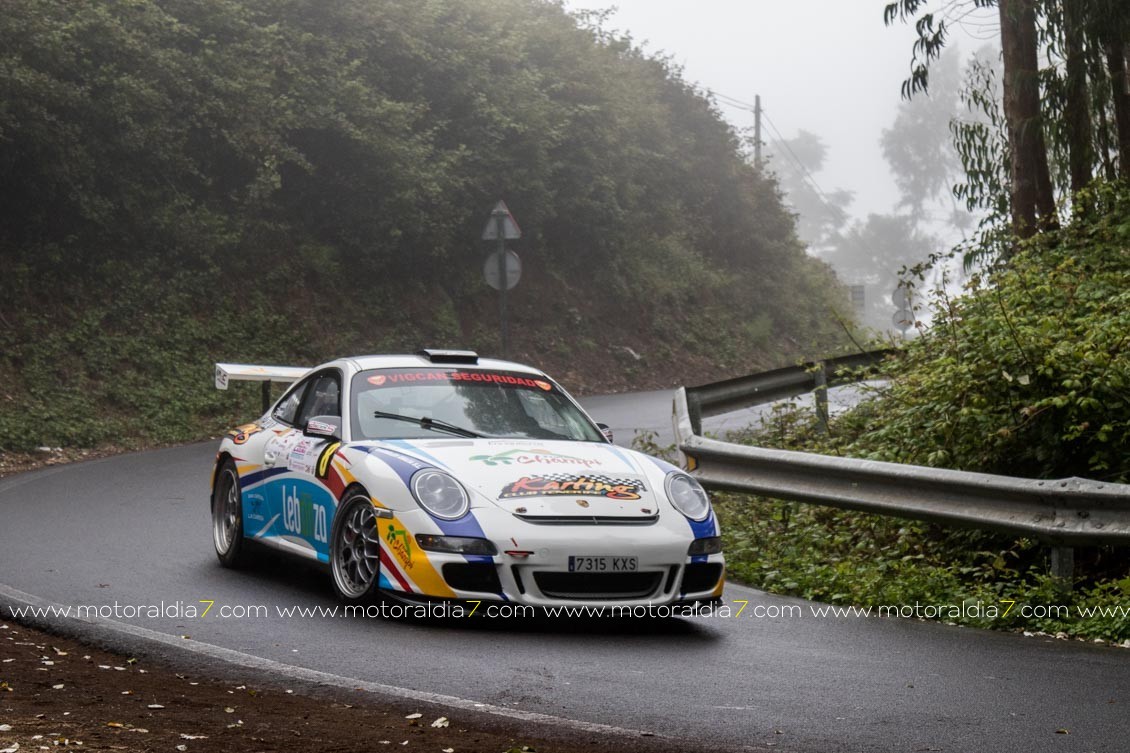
(757, 131)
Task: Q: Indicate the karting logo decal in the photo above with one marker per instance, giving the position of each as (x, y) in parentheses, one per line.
(533, 457)
(557, 485)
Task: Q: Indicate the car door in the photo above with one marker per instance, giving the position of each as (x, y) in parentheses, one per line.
(263, 506)
(305, 500)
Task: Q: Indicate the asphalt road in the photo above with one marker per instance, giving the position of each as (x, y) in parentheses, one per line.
(134, 530)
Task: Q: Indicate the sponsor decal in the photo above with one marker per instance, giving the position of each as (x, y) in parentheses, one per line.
(533, 457)
(321, 427)
(304, 517)
(558, 485)
(241, 434)
(503, 379)
(400, 544)
(255, 502)
(301, 460)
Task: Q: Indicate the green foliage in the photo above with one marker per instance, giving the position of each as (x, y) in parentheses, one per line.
(1023, 375)
(288, 180)
(843, 558)
(1026, 374)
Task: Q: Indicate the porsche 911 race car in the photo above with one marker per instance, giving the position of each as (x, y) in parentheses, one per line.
(443, 476)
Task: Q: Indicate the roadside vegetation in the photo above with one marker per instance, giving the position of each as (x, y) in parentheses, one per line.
(1024, 373)
(287, 181)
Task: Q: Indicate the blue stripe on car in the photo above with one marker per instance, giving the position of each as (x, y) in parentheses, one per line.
(405, 467)
(259, 476)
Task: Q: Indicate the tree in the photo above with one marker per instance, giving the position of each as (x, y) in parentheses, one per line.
(1058, 117)
(874, 253)
(1029, 179)
(820, 214)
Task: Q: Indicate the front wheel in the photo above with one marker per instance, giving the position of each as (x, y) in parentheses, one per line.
(227, 517)
(355, 550)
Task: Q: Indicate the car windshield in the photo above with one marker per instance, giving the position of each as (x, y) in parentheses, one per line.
(437, 402)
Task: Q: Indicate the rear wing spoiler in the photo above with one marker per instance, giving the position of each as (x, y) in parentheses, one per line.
(242, 372)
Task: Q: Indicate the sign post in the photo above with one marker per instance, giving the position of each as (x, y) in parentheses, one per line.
(904, 315)
(507, 268)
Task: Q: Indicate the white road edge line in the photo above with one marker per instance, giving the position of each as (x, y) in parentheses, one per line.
(312, 675)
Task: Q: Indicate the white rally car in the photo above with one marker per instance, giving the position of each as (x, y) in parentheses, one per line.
(445, 476)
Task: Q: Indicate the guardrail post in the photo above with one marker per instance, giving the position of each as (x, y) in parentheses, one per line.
(1063, 566)
(266, 395)
(694, 410)
(821, 392)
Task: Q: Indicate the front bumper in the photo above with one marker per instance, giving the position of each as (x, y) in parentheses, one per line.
(532, 566)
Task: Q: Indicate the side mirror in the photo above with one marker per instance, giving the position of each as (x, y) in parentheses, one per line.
(606, 430)
(323, 427)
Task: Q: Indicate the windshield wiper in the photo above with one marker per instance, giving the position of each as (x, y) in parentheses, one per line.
(429, 423)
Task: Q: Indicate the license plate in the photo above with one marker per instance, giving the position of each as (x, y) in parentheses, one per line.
(603, 564)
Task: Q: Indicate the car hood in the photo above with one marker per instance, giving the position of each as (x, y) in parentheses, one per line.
(538, 479)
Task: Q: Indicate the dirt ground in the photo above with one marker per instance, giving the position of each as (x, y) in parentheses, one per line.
(57, 693)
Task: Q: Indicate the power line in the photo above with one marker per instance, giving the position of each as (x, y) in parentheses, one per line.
(804, 170)
(780, 140)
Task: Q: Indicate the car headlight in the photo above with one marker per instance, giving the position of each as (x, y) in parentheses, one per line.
(687, 495)
(440, 494)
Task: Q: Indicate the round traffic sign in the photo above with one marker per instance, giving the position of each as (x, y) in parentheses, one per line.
(513, 270)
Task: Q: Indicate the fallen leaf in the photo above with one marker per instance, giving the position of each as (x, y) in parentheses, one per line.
(413, 716)
(182, 747)
(115, 725)
(60, 686)
(1063, 731)
(229, 710)
(154, 706)
(193, 737)
(5, 728)
(13, 749)
(441, 722)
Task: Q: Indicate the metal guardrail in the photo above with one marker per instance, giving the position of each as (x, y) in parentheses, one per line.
(766, 387)
(1064, 513)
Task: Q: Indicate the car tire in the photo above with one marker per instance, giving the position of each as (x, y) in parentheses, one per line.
(355, 549)
(227, 517)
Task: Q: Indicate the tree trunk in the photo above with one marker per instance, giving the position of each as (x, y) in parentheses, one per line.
(1120, 93)
(1080, 140)
(1030, 181)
